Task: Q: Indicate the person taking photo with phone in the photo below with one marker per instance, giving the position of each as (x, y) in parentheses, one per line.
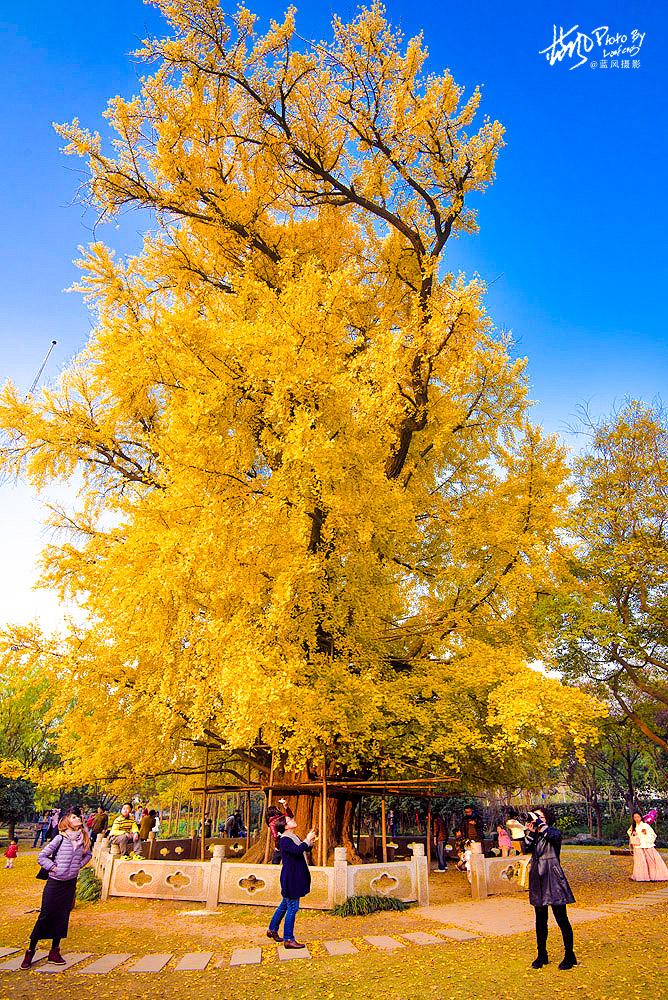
(548, 885)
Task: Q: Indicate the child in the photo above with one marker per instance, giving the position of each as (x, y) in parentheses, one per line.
(11, 853)
(505, 840)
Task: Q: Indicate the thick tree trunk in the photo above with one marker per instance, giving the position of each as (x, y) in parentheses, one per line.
(307, 808)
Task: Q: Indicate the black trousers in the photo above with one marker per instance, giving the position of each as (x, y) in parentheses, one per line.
(561, 916)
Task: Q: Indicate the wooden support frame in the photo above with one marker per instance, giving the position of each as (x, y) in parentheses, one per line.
(383, 831)
(202, 838)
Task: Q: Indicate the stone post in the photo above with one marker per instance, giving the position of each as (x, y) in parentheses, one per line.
(478, 876)
(340, 875)
(109, 860)
(419, 862)
(215, 872)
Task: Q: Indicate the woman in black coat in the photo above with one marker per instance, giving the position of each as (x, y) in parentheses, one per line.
(295, 880)
(548, 886)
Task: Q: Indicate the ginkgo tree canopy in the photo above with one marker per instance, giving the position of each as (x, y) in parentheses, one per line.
(313, 510)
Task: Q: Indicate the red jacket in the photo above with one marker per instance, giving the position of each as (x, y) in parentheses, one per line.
(12, 851)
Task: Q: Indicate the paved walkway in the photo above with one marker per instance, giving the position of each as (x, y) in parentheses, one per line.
(499, 915)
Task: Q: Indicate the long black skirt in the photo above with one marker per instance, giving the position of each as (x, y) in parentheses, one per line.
(57, 903)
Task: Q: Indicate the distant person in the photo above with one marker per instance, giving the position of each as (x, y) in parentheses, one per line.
(505, 840)
(11, 852)
(234, 827)
(440, 840)
(125, 832)
(63, 858)
(472, 830)
(40, 829)
(516, 830)
(295, 881)
(208, 826)
(648, 865)
(99, 825)
(146, 825)
(274, 818)
(548, 886)
(52, 828)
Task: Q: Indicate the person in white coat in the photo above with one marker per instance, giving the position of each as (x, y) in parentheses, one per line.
(648, 865)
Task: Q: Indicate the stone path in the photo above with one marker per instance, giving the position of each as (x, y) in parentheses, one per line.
(499, 915)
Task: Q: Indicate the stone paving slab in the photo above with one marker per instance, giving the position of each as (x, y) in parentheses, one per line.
(194, 961)
(496, 915)
(13, 964)
(580, 915)
(287, 954)
(340, 947)
(384, 942)
(456, 934)
(7, 951)
(151, 963)
(246, 956)
(73, 958)
(420, 937)
(106, 964)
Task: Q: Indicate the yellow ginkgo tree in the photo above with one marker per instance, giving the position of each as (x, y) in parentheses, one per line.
(314, 516)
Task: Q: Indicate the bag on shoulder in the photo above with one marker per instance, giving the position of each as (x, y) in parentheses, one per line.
(43, 874)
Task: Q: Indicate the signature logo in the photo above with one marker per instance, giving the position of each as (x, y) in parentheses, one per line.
(578, 47)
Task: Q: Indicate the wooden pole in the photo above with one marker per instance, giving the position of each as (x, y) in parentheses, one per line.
(202, 851)
(323, 828)
(383, 831)
(248, 810)
(267, 846)
(171, 813)
(428, 852)
(359, 825)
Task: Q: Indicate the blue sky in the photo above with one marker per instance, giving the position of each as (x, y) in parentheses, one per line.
(573, 230)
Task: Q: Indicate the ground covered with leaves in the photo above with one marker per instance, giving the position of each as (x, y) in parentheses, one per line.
(618, 954)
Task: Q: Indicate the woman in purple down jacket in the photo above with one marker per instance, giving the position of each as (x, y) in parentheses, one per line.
(63, 858)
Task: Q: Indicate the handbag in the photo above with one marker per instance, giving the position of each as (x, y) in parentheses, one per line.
(43, 874)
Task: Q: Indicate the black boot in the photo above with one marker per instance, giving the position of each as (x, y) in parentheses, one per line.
(568, 961)
(540, 960)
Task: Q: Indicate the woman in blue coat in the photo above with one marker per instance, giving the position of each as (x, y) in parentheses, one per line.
(548, 886)
(295, 880)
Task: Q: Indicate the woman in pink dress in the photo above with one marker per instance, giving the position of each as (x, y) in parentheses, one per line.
(648, 865)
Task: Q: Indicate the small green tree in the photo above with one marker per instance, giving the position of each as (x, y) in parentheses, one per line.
(17, 801)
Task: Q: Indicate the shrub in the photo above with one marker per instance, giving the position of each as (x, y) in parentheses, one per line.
(569, 824)
(89, 887)
(359, 906)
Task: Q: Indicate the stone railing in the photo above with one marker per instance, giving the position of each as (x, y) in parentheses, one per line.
(219, 881)
(494, 876)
